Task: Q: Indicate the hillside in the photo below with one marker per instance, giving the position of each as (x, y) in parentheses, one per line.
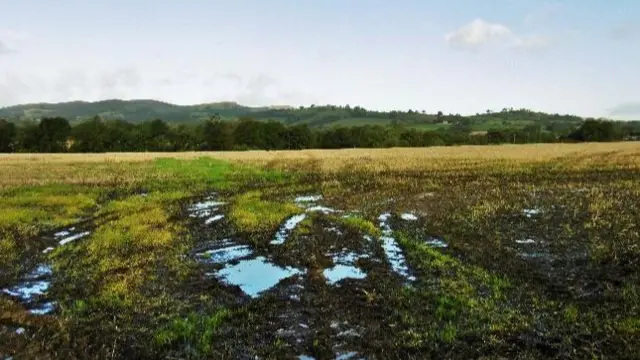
(137, 111)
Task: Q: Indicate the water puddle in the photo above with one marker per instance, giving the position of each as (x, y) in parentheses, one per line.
(308, 198)
(391, 248)
(205, 208)
(43, 309)
(28, 290)
(346, 356)
(340, 272)
(408, 217)
(525, 241)
(213, 219)
(226, 254)
(32, 287)
(396, 257)
(531, 212)
(436, 242)
(71, 238)
(256, 275)
(322, 209)
(285, 230)
(344, 268)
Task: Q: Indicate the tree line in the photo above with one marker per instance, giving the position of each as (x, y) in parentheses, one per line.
(56, 134)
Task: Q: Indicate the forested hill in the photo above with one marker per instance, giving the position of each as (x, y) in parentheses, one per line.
(137, 111)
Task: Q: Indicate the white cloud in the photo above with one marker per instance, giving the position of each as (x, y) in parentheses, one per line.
(130, 82)
(477, 33)
(480, 33)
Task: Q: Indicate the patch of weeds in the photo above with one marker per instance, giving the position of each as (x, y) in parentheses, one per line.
(452, 300)
(194, 331)
(251, 213)
(358, 224)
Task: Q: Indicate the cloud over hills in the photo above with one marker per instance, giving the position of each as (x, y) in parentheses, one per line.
(479, 33)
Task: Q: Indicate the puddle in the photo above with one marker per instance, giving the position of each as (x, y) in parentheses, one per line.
(256, 275)
(213, 219)
(526, 241)
(531, 212)
(436, 242)
(344, 267)
(340, 272)
(306, 357)
(20, 331)
(62, 233)
(334, 230)
(408, 217)
(322, 209)
(346, 356)
(391, 248)
(308, 198)
(28, 290)
(47, 250)
(72, 238)
(227, 254)
(289, 225)
(40, 271)
(396, 257)
(43, 309)
(204, 208)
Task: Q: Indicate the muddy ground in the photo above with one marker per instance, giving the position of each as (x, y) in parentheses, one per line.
(410, 273)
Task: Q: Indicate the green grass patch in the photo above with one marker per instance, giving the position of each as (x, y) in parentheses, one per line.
(359, 224)
(197, 331)
(251, 213)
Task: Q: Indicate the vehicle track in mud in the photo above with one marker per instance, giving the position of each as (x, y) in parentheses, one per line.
(311, 280)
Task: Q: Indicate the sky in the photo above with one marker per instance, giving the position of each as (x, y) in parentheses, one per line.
(459, 56)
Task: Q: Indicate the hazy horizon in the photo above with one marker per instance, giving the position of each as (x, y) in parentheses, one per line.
(568, 57)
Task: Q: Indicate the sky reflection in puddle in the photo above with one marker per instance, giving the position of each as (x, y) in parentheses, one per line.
(256, 275)
(285, 230)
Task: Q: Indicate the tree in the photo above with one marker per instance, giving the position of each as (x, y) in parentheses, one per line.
(218, 135)
(248, 134)
(53, 134)
(597, 130)
(90, 136)
(7, 136)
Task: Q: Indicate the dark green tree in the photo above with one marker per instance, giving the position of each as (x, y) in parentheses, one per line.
(8, 135)
(53, 134)
(218, 135)
(90, 136)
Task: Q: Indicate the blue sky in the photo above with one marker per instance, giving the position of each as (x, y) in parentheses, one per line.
(459, 56)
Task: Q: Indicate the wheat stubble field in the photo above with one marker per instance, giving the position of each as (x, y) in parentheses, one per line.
(523, 251)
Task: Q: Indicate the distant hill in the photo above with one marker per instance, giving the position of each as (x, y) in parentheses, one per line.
(136, 111)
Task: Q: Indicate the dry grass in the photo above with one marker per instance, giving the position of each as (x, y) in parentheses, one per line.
(119, 168)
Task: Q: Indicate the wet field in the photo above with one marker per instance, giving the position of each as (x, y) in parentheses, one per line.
(469, 260)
